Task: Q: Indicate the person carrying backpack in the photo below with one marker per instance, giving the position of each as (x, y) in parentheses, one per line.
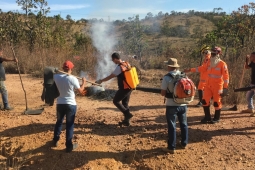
(216, 85)
(124, 92)
(174, 109)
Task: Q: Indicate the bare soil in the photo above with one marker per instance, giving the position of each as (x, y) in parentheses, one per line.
(26, 139)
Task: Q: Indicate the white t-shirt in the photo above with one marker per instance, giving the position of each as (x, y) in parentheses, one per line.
(165, 85)
(117, 70)
(66, 85)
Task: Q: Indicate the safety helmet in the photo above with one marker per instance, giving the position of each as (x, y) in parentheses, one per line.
(216, 50)
(204, 49)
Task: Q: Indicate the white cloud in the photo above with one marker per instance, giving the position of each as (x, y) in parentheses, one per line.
(57, 7)
(9, 6)
(5, 6)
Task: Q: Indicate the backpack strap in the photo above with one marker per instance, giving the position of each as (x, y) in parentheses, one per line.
(125, 67)
(168, 93)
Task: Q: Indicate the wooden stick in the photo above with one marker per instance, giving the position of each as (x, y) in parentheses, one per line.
(80, 78)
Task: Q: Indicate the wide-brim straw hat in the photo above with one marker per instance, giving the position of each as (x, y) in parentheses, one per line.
(172, 62)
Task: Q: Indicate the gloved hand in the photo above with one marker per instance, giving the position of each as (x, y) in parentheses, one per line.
(224, 93)
(98, 81)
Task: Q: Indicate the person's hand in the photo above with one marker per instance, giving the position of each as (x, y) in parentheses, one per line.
(247, 58)
(224, 93)
(186, 70)
(98, 81)
(15, 60)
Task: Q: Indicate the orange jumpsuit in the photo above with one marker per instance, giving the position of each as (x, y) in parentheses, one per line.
(203, 74)
(217, 79)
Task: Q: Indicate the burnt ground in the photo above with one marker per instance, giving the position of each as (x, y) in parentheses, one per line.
(26, 139)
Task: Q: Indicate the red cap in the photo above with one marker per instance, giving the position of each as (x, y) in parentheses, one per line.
(68, 65)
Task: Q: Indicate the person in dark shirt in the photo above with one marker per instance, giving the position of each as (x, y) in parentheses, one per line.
(124, 92)
(250, 63)
(3, 90)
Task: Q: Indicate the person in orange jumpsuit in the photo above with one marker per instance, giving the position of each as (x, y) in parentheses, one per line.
(216, 85)
(203, 75)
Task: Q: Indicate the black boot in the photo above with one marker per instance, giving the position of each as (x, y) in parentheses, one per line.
(216, 118)
(200, 96)
(127, 117)
(207, 117)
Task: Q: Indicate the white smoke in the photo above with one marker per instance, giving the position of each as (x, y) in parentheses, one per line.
(102, 34)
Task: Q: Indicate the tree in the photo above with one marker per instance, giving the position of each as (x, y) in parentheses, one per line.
(68, 17)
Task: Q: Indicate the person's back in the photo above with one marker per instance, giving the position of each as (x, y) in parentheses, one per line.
(66, 104)
(66, 85)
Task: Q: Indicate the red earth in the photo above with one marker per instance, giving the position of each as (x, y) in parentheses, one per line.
(26, 139)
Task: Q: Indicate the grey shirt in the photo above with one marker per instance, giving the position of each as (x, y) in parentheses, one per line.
(2, 71)
(166, 85)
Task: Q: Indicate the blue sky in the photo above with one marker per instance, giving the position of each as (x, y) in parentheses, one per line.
(122, 9)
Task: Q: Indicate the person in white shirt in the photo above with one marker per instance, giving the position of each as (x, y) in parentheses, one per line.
(124, 92)
(66, 104)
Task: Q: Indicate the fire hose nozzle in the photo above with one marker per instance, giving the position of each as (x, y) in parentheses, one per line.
(96, 84)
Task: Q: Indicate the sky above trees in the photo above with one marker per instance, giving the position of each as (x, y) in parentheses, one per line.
(122, 9)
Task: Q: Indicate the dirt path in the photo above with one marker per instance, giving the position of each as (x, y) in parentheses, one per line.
(25, 140)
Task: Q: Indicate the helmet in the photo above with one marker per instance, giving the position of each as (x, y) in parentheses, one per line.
(204, 49)
(216, 50)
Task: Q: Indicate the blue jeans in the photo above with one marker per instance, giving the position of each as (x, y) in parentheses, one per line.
(69, 111)
(171, 113)
(4, 94)
(249, 98)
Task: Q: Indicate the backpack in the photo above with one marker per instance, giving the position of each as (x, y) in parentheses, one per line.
(183, 89)
(130, 75)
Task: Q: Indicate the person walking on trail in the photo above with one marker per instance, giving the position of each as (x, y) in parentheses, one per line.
(250, 63)
(174, 109)
(216, 85)
(203, 75)
(66, 104)
(124, 91)
(3, 90)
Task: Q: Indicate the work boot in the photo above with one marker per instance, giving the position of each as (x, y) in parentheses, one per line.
(73, 147)
(8, 108)
(200, 96)
(124, 123)
(199, 104)
(216, 118)
(207, 117)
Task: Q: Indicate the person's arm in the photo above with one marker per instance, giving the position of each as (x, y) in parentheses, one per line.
(225, 75)
(108, 77)
(7, 59)
(248, 62)
(163, 87)
(115, 73)
(82, 87)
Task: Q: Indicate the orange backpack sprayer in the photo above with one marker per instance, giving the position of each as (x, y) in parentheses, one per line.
(130, 73)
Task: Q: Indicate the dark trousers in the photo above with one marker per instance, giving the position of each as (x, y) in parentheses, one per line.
(171, 113)
(69, 111)
(122, 95)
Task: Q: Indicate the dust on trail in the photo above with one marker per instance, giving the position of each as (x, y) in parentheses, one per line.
(25, 140)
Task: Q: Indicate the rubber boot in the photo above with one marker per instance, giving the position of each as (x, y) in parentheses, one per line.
(216, 118)
(200, 96)
(127, 117)
(5, 101)
(207, 117)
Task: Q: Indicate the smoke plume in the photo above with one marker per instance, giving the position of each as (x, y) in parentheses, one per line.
(102, 34)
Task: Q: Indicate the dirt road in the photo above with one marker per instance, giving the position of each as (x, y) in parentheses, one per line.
(25, 139)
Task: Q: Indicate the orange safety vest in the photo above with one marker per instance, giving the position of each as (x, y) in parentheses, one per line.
(203, 74)
(217, 75)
